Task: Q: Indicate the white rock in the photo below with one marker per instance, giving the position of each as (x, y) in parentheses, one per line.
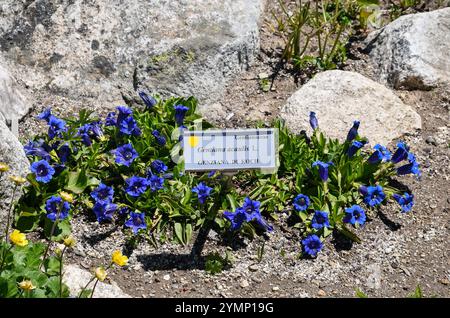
(76, 278)
(413, 51)
(244, 283)
(13, 104)
(166, 277)
(11, 153)
(340, 97)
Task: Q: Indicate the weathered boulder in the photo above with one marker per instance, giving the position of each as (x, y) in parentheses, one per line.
(413, 51)
(76, 279)
(12, 101)
(99, 52)
(340, 97)
(11, 153)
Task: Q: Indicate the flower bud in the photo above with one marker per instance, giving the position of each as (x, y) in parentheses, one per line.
(3, 167)
(100, 273)
(17, 180)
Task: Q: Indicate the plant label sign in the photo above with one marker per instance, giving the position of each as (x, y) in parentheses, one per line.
(231, 150)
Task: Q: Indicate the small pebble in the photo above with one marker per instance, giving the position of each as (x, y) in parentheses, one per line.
(244, 283)
(166, 277)
(321, 293)
(275, 288)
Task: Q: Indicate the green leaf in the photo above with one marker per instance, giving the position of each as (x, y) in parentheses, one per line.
(232, 201)
(179, 232)
(51, 265)
(345, 231)
(360, 294)
(417, 293)
(27, 222)
(78, 181)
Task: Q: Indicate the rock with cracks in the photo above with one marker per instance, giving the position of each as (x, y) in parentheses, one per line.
(339, 97)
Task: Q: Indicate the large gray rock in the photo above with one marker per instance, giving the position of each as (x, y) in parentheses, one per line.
(340, 97)
(413, 51)
(11, 152)
(101, 51)
(12, 102)
(76, 279)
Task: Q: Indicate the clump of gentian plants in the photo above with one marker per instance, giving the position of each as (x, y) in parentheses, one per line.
(120, 170)
(331, 186)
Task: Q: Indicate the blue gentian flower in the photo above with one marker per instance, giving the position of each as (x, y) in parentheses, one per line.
(124, 211)
(236, 218)
(158, 166)
(56, 126)
(180, 112)
(111, 119)
(380, 154)
(156, 183)
(103, 194)
(46, 114)
(125, 154)
(64, 152)
(57, 208)
(135, 186)
(203, 192)
(323, 169)
(401, 153)
(104, 211)
(356, 145)
(83, 132)
(312, 245)
(353, 132)
(124, 112)
(406, 201)
(182, 128)
(43, 171)
(411, 167)
(355, 215)
(128, 126)
(257, 217)
(160, 140)
(374, 195)
(136, 222)
(211, 173)
(313, 120)
(301, 202)
(38, 149)
(251, 208)
(320, 220)
(149, 101)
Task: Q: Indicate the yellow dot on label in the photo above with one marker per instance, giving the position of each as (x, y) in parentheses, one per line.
(193, 141)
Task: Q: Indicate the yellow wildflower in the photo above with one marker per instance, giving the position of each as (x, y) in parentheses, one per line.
(119, 259)
(70, 241)
(100, 273)
(18, 238)
(3, 167)
(66, 196)
(17, 180)
(26, 285)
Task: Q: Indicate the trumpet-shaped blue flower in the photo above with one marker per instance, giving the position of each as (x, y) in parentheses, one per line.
(160, 140)
(158, 166)
(111, 119)
(301, 202)
(356, 145)
(381, 154)
(135, 186)
(313, 120)
(56, 126)
(355, 215)
(64, 152)
(156, 183)
(57, 208)
(406, 201)
(401, 153)
(104, 211)
(125, 154)
(149, 101)
(38, 149)
(412, 167)
(320, 220)
(124, 112)
(103, 194)
(312, 245)
(128, 126)
(43, 171)
(203, 192)
(180, 112)
(136, 222)
(236, 218)
(353, 132)
(323, 169)
(374, 195)
(45, 115)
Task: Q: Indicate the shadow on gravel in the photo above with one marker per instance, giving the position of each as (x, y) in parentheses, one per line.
(341, 242)
(96, 238)
(393, 226)
(167, 261)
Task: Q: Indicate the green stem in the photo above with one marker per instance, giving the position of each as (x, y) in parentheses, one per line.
(60, 271)
(8, 220)
(51, 234)
(4, 257)
(93, 289)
